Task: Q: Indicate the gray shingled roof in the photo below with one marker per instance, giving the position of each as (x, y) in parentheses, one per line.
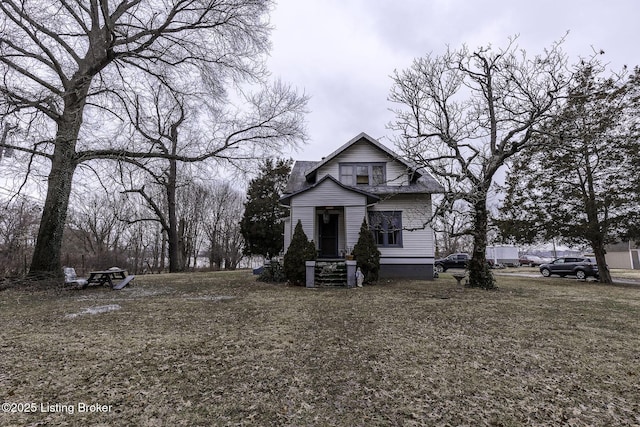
(423, 186)
(297, 180)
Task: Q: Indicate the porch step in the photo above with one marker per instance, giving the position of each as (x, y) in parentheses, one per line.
(331, 273)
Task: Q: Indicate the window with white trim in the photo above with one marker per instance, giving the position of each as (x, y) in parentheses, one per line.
(386, 227)
(362, 173)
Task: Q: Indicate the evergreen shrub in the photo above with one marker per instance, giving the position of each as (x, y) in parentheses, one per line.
(367, 254)
(300, 250)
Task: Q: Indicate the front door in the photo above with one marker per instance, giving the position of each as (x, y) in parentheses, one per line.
(328, 234)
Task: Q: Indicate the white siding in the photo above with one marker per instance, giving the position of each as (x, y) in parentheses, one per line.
(416, 210)
(328, 193)
(354, 216)
(288, 231)
(363, 151)
(306, 215)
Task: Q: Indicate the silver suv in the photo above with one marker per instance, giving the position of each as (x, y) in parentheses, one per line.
(575, 266)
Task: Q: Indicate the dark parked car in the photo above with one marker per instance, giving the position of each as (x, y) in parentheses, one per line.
(575, 266)
(455, 261)
(452, 261)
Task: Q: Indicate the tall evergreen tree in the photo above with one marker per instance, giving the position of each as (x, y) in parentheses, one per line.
(262, 225)
(582, 186)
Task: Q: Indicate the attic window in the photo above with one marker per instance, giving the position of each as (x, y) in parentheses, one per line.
(362, 173)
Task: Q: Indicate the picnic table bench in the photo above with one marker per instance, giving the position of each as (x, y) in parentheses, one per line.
(117, 278)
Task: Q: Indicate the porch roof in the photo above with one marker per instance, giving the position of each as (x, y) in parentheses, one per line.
(286, 199)
(419, 187)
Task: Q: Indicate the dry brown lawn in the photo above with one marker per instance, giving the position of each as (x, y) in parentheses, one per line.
(222, 349)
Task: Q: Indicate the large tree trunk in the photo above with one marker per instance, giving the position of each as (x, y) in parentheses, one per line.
(173, 234)
(594, 225)
(46, 255)
(183, 245)
(480, 275)
(47, 252)
(163, 252)
(603, 269)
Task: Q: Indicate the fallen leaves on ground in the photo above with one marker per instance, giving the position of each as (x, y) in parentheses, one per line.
(222, 349)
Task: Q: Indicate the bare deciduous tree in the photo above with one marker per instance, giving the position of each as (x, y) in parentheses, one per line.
(222, 226)
(66, 66)
(18, 226)
(166, 129)
(451, 230)
(94, 232)
(462, 115)
(96, 223)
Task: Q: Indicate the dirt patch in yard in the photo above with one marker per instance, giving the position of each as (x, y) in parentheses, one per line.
(222, 349)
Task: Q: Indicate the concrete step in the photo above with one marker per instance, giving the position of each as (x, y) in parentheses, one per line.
(331, 273)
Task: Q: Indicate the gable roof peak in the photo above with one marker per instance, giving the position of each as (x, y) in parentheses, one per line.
(352, 141)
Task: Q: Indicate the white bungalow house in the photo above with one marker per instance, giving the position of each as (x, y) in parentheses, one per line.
(363, 179)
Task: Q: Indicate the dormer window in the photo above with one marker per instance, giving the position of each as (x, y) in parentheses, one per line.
(362, 173)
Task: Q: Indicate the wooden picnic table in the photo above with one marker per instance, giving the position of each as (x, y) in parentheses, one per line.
(116, 278)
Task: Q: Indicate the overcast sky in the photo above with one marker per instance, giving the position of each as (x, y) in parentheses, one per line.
(342, 52)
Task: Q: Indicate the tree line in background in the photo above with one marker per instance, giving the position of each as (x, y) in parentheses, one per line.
(104, 231)
(137, 95)
(218, 225)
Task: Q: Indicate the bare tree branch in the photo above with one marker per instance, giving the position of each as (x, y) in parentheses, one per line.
(464, 114)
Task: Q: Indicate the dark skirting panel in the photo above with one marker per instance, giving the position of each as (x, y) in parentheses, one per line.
(406, 271)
